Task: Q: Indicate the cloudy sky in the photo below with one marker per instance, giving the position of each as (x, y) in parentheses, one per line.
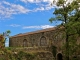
(20, 16)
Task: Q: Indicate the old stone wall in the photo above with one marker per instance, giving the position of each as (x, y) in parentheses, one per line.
(51, 40)
(46, 38)
(39, 42)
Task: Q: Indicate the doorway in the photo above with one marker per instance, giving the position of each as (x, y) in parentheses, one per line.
(59, 56)
(24, 43)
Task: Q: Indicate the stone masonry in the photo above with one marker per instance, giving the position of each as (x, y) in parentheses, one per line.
(40, 40)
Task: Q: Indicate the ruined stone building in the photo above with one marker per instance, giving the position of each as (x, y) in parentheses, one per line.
(40, 40)
(46, 37)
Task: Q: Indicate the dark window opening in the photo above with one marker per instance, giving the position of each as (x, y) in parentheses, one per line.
(24, 43)
(59, 56)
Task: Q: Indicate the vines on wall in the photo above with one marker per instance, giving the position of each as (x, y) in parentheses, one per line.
(54, 50)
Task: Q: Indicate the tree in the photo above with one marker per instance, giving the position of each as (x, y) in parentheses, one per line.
(3, 38)
(69, 14)
(6, 34)
(1, 42)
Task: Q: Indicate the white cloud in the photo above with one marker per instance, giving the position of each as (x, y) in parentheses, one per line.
(48, 7)
(8, 9)
(50, 1)
(43, 6)
(46, 26)
(38, 27)
(45, 1)
(19, 8)
(36, 1)
(14, 25)
(7, 3)
(25, 1)
(39, 9)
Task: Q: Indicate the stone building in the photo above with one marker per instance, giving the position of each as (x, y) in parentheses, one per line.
(46, 37)
(40, 40)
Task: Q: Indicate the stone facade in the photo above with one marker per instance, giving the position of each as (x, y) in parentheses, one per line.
(46, 37)
(41, 41)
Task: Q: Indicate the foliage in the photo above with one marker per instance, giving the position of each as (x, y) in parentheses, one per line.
(1, 42)
(6, 33)
(54, 50)
(25, 55)
(9, 53)
(20, 55)
(69, 14)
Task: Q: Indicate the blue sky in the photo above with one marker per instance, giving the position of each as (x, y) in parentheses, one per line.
(20, 16)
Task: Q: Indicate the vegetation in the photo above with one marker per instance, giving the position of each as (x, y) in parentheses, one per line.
(10, 54)
(1, 42)
(69, 14)
(54, 51)
(6, 34)
(21, 55)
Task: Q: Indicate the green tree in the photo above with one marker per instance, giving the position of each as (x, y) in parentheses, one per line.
(69, 14)
(6, 34)
(1, 42)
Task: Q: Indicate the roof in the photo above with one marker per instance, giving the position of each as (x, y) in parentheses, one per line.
(39, 31)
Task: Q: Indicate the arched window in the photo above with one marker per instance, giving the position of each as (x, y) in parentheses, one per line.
(43, 41)
(24, 43)
(59, 56)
